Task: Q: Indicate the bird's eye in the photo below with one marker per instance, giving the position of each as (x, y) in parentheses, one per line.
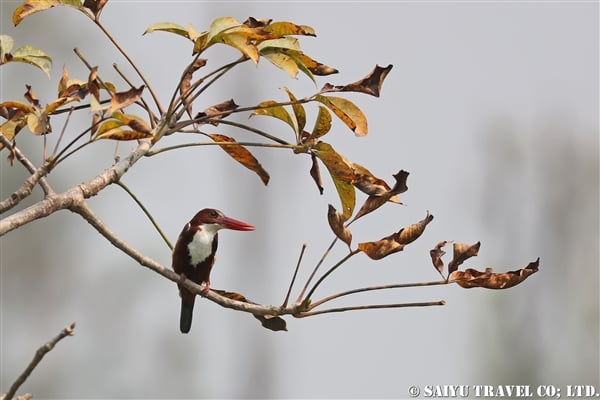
(214, 214)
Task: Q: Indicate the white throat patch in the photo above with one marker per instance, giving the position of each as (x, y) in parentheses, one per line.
(201, 245)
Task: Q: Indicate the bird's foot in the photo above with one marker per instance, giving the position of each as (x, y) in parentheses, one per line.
(205, 288)
(182, 277)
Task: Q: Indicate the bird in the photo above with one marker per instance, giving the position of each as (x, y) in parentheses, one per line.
(194, 255)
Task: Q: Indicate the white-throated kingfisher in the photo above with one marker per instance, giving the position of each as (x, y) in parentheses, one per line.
(194, 255)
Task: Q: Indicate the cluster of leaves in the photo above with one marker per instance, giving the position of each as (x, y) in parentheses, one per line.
(277, 42)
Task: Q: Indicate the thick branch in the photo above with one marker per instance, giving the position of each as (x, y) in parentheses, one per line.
(39, 354)
(71, 197)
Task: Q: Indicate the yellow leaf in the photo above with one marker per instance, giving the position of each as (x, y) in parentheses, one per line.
(270, 108)
(282, 61)
(346, 111)
(32, 6)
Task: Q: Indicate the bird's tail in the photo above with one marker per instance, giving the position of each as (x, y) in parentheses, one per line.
(185, 318)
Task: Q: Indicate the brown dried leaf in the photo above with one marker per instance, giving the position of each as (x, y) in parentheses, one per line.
(336, 222)
(95, 6)
(133, 121)
(367, 183)
(213, 114)
(370, 84)
(241, 155)
(471, 278)
(436, 256)
(412, 232)
(186, 80)
(30, 97)
(316, 173)
(121, 134)
(462, 252)
(271, 322)
(93, 85)
(396, 241)
(381, 248)
(373, 202)
(123, 99)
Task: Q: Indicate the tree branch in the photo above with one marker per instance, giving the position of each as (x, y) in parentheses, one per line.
(69, 198)
(27, 187)
(39, 354)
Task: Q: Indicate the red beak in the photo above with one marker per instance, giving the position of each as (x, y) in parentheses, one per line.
(236, 225)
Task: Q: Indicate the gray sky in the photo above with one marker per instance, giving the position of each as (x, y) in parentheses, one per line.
(491, 106)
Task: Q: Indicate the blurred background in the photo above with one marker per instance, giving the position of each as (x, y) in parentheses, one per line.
(491, 106)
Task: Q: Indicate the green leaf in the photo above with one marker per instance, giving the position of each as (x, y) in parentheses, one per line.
(220, 25)
(281, 60)
(299, 112)
(271, 109)
(280, 43)
(29, 7)
(6, 45)
(170, 27)
(346, 111)
(322, 124)
(34, 56)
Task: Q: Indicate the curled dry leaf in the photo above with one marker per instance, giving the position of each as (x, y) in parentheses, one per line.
(436, 256)
(370, 84)
(336, 222)
(471, 278)
(462, 252)
(375, 201)
(315, 172)
(214, 113)
(186, 80)
(123, 99)
(396, 241)
(271, 322)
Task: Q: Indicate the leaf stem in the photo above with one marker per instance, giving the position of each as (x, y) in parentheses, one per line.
(145, 210)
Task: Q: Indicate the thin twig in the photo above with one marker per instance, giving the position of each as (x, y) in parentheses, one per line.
(145, 210)
(253, 130)
(133, 65)
(62, 131)
(39, 354)
(190, 96)
(333, 268)
(372, 288)
(248, 144)
(314, 271)
(287, 296)
(369, 307)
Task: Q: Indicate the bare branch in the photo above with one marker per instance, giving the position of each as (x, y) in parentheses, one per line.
(370, 307)
(39, 354)
(68, 199)
(373, 288)
(27, 187)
